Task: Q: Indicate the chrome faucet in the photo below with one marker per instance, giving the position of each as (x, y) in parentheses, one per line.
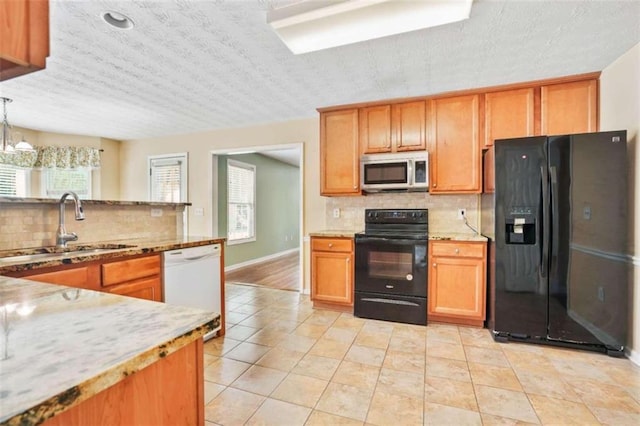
(61, 235)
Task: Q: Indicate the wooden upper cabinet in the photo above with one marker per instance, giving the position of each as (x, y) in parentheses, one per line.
(509, 114)
(569, 108)
(375, 129)
(24, 37)
(339, 153)
(454, 144)
(393, 128)
(408, 123)
(489, 170)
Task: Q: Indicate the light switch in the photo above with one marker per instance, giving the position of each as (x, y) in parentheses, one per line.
(198, 211)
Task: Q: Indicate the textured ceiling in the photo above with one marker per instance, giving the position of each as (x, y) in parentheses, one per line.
(190, 66)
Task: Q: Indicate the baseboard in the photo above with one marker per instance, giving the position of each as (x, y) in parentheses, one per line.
(260, 259)
(634, 356)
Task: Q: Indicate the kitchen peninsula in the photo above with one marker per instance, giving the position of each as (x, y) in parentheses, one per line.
(89, 357)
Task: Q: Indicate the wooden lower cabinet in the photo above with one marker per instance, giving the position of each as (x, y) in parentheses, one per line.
(332, 271)
(139, 276)
(457, 282)
(146, 288)
(80, 276)
(167, 392)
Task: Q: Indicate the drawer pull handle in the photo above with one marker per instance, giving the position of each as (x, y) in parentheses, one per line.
(457, 251)
(330, 245)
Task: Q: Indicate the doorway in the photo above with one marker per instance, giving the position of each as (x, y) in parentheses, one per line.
(270, 257)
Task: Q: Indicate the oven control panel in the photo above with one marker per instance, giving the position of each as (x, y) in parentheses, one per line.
(396, 216)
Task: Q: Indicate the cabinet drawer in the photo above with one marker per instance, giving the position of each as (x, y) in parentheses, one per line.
(132, 269)
(87, 277)
(458, 249)
(332, 244)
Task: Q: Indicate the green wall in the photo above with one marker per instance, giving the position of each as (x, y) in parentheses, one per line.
(277, 208)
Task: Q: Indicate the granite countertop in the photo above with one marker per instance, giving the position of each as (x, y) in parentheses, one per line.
(62, 345)
(336, 233)
(21, 200)
(349, 233)
(457, 237)
(78, 253)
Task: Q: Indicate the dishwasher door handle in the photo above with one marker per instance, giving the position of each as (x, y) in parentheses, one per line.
(196, 257)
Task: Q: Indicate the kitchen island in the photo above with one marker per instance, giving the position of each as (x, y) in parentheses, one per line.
(76, 356)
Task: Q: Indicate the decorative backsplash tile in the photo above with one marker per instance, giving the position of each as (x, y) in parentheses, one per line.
(442, 210)
(34, 225)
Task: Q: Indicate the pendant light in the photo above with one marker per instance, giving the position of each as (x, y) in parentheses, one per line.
(8, 146)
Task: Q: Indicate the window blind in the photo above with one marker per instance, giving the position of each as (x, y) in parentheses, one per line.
(166, 180)
(241, 182)
(14, 181)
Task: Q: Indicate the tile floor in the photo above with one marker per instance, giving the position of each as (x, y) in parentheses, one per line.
(284, 363)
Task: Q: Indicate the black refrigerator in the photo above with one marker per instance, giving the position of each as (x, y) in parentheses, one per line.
(561, 225)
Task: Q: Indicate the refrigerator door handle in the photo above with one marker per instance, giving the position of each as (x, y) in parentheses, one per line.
(544, 232)
(554, 200)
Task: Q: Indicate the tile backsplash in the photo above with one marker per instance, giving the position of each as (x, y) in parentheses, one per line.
(25, 225)
(442, 210)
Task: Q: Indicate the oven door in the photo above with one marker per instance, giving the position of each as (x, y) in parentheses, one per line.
(391, 266)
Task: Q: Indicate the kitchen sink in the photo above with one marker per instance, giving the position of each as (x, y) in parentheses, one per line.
(44, 253)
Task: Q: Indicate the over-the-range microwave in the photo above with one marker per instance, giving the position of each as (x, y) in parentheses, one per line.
(406, 171)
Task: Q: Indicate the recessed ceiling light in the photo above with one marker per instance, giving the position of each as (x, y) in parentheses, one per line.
(117, 19)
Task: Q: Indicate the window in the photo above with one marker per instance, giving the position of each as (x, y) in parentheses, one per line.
(241, 199)
(56, 182)
(168, 178)
(14, 181)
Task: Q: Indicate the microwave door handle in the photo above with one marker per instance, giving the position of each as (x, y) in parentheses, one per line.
(410, 172)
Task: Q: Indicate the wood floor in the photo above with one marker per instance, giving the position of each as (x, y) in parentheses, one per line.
(282, 273)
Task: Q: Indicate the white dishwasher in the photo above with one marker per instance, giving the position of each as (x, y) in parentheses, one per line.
(192, 278)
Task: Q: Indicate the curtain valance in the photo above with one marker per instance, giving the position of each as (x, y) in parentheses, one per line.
(59, 157)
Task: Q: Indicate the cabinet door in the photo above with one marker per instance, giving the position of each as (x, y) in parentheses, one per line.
(332, 277)
(339, 153)
(509, 114)
(408, 121)
(87, 277)
(24, 35)
(375, 129)
(489, 170)
(456, 288)
(454, 145)
(147, 288)
(569, 108)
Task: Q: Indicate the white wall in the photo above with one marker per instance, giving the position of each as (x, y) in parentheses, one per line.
(620, 109)
(133, 165)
